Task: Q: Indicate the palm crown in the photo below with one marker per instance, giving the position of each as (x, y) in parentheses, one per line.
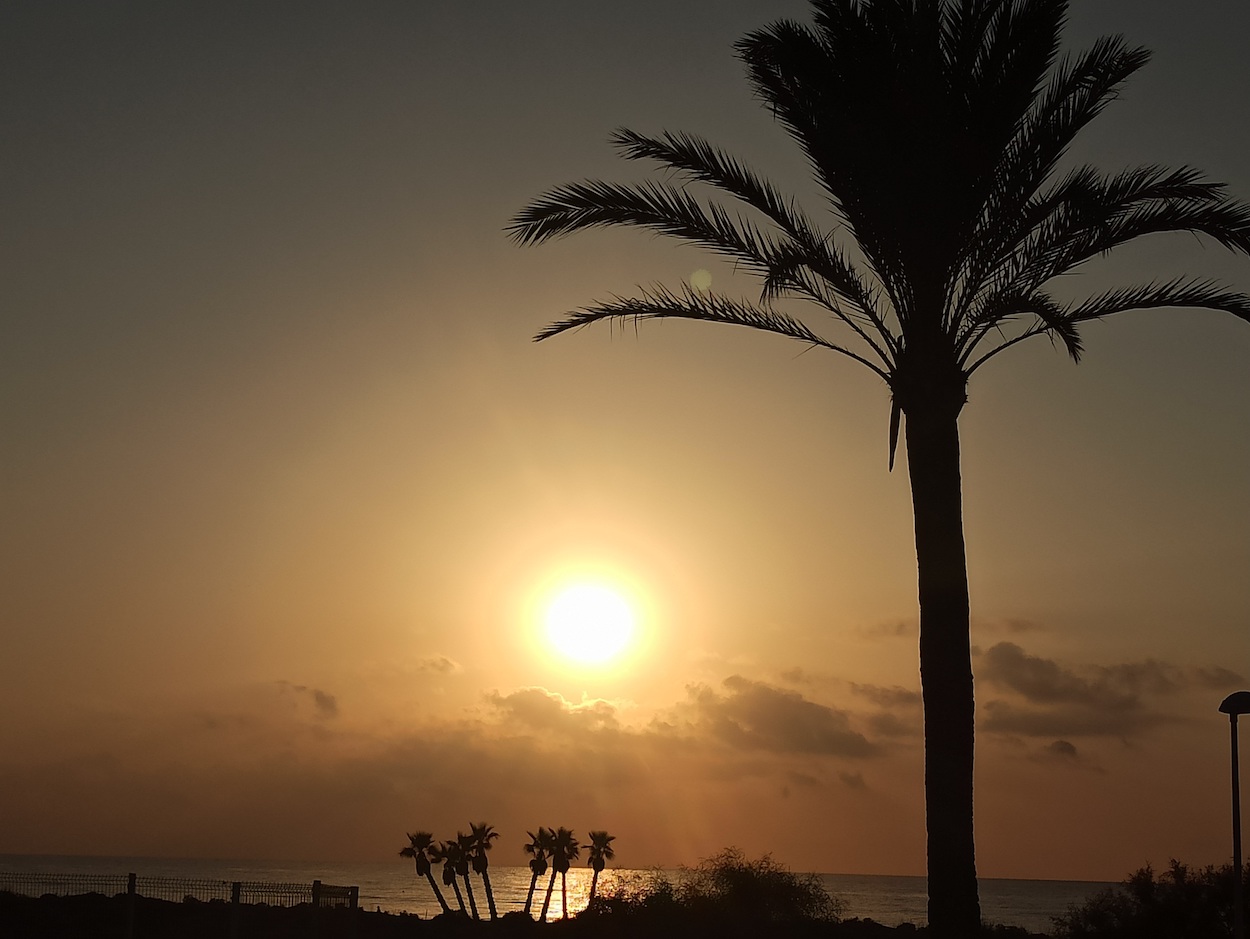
(935, 130)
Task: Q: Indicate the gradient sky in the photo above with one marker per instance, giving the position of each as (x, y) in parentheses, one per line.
(284, 484)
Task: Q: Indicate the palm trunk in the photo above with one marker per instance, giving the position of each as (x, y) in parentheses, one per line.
(429, 875)
(564, 895)
(459, 896)
(594, 883)
(551, 885)
(945, 669)
(529, 897)
(468, 888)
(490, 895)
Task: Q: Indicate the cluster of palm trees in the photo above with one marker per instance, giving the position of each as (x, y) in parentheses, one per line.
(549, 849)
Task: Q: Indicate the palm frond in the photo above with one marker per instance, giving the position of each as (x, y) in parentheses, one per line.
(1179, 292)
(705, 163)
(661, 303)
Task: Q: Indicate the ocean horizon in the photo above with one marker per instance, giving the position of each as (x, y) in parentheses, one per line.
(393, 886)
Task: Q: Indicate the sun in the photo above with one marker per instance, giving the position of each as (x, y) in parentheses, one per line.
(589, 623)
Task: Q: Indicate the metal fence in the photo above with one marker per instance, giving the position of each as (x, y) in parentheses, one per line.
(180, 890)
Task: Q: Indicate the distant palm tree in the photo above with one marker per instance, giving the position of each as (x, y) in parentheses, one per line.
(463, 849)
(564, 850)
(482, 835)
(600, 853)
(420, 843)
(539, 846)
(445, 852)
(936, 131)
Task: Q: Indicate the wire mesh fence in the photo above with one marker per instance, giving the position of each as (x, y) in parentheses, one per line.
(63, 885)
(180, 889)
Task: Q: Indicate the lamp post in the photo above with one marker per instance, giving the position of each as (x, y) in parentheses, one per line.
(1236, 703)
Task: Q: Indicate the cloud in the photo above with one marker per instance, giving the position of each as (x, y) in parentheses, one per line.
(881, 696)
(853, 780)
(1096, 700)
(887, 630)
(1044, 681)
(439, 664)
(1064, 753)
(1217, 677)
(541, 709)
(757, 716)
(325, 705)
(1068, 720)
(889, 724)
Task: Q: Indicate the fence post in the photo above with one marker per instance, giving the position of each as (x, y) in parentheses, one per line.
(236, 891)
(130, 906)
(316, 909)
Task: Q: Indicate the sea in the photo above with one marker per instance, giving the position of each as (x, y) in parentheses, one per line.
(394, 887)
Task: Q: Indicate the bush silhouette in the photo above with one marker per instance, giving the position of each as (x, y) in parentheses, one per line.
(1179, 903)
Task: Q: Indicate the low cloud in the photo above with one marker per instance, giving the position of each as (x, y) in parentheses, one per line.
(1052, 700)
(440, 665)
(1064, 753)
(540, 709)
(752, 715)
(895, 696)
(325, 705)
(853, 780)
(1218, 677)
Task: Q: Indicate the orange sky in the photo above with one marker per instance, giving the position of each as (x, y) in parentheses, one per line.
(282, 477)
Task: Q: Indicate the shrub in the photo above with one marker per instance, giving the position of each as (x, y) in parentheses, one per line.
(1180, 903)
(727, 887)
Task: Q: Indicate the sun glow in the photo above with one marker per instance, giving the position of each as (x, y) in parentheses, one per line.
(589, 623)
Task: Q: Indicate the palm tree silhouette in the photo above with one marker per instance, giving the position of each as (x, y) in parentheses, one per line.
(481, 836)
(419, 843)
(600, 853)
(462, 849)
(564, 850)
(539, 847)
(445, 852)
(935, 129)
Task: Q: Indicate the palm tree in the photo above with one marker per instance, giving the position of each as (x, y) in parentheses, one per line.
(445, 852)
(419, 844)
(463, 849)
(935, 129)
(600, 853)
(481, 836)
(562, 851)
(539, 847)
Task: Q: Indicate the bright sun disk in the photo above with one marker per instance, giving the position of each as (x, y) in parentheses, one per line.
(589, 623)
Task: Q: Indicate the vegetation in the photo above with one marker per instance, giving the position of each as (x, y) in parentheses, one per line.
(1180, 903)
(564, 850)
(725, 890)
(935, 129)
(418, 849)
(539, 848)
(481, 836)
(600, 853)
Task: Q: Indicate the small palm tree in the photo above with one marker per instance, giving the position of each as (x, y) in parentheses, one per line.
(564, 850)
(539, 847)
(600, 853)
(463, 852)
(419, 844)
(482, 835)
(445, 853)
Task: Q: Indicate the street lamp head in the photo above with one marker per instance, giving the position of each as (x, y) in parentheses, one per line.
(1236, 703)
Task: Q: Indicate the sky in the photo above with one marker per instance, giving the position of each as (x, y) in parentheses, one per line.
(285, 487)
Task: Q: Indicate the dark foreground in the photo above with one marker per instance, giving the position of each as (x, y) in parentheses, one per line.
(97, 917)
